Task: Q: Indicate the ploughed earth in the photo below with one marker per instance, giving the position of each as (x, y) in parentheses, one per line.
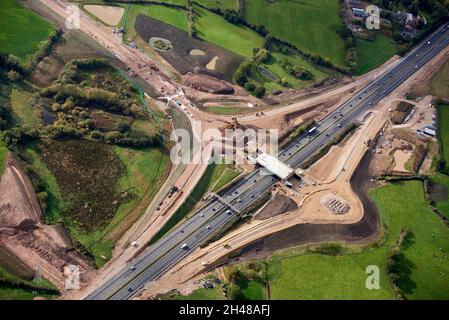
(189, 54)
(26, 244)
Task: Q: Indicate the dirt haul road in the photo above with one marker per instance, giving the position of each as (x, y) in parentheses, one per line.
(335, 181)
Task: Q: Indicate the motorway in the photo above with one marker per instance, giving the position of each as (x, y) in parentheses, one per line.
(208, 221)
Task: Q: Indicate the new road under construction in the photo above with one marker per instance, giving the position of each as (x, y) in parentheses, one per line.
(227, 207)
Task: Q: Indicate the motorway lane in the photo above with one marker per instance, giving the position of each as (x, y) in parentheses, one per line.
(194, 240)
(160, 257)
(371, 95)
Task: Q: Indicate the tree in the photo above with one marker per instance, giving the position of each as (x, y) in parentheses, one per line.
(122, 126)
(234, 292)
(263, 56)
(259, 92)
(249, 86)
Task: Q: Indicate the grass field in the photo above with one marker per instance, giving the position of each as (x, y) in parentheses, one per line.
(309, 24)
(171, 16)
(222, 4)
(274, 66)
(343, 277)
(22, 107)
(225, 110)
(443, 121)
(55, 204)
(251, 290)
(216, 30)
(440, 82)
(21, 30)
(3, 152)
(15, 288)
(442, 204)
(236, 38)
(372, 54)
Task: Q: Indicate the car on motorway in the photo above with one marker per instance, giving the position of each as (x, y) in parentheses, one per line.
(133, 268)
(220, 218)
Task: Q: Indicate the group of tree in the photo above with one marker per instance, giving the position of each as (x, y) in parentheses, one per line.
(437, 9)
(297, 71)
(243, 75)
(350, 45)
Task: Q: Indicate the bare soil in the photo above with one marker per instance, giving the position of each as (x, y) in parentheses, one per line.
(110, 15)
(180, 57)
(208, 84)
(25, 242)
(278, 205)
(299, 234)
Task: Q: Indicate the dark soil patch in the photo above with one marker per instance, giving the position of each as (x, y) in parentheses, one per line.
(278, 205)
(87, 174)
(437, 192)
(180, 57)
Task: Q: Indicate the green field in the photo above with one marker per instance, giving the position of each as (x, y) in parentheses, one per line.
(442, 204)
(372, 54)
(3, 152)
(274, 66)
(250, 289)
(21, 30)
(225, 110)
(222, 4)
(171, 16)
(22, 107)
(236, 38)
(440, 82)
(309, 24)
(425, 264)
(217, 30)
(15, 288)
(54, 201)
(443, 121)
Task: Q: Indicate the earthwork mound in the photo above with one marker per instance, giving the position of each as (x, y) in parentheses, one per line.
(160, 44)
(335, 205)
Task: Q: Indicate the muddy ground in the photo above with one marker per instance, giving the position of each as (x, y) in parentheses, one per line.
(278, 205)
(180, 57)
